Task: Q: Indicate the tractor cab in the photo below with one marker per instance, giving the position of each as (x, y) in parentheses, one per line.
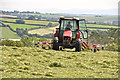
(70, 34)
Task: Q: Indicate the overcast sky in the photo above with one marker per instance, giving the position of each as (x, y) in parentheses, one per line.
(54, 5)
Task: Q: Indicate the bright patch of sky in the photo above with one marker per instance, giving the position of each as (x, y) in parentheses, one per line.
(56, 5)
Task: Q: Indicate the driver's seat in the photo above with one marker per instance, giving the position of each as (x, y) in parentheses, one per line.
(67, 28)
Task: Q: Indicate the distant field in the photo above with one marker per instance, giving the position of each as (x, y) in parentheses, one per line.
(44, 31)
(34, 22)
(14, 26)
(101, 26)
(99, 19)
(39, 22)
(30, 21)
(8, 34)
(8, 19)
(28, 62)
(43, 15)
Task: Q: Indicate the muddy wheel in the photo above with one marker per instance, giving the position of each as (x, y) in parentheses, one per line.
(95, 50)
(78, 46)
(98, 49)
(102, 48)
(55, 45)
(61, 48)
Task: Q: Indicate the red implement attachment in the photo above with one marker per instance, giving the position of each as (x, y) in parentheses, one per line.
(43, 44)
(95, 47)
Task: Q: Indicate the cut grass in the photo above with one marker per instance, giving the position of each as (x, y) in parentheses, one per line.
(8, 34)
(27, 62)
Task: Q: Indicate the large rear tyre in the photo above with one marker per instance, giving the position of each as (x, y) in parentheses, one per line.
(55, 45)
(78, 46)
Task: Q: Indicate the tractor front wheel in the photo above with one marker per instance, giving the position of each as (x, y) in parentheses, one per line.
(78, 46)
(55, 45)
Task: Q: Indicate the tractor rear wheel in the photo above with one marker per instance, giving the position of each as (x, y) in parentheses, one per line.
(78, 46)
(55, 45)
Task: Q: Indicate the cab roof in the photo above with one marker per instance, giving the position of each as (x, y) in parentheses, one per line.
(70, 18)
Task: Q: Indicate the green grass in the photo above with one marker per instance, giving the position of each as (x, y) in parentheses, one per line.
(8, 34)
(14, 26)
(27, 62)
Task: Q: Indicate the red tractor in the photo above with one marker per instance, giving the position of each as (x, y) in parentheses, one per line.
(72, 33)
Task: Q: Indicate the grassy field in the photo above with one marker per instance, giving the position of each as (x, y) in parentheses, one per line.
(14, 26)
(39, 22)
(99, 19)
(43, 31)
(101, 26)
(9, 20)
(27, 62)
(8, 34)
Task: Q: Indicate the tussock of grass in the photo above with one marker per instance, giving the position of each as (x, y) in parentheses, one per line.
(36, 73)
(14, 48)
(55, 64)
(49, 74)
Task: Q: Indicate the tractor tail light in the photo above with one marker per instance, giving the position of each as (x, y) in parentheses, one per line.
(78, 35)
